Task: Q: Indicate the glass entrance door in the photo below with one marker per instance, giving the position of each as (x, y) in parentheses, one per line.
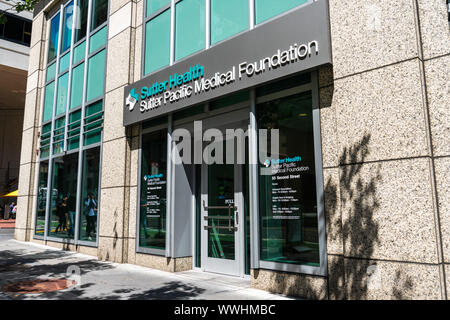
(222, 208)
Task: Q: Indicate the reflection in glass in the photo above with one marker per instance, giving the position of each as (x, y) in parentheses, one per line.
(41, 198)
(67, 27)
(99, 13)
(152, 226)
(81, 22)
(64, 192)
(89, 194)
(53, 41)
(288, 203)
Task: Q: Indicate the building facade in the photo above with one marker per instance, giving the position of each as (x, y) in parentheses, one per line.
(14, 50)
(298, 144)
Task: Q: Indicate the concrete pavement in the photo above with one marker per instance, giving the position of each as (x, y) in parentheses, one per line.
(23, 261)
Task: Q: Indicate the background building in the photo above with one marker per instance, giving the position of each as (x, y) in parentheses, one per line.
(14, 50)
(381, 156)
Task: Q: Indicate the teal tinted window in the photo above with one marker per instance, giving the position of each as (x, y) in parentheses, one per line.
(58, 135)
(50, 72)
(99, 13)
(152, 209)
(94, 136)
(53, 40)
(76, 91)
(78, 52)
(73, 130)
(266, 9)
(81, 20)
(93, 123)
(189, 27)
(61, 98)
(48, 101)
(228, 18)
(157, 42)
(64, 62)
(67, 27)
(96, 76)
(45, 140)
(155, 5)
(98, 39)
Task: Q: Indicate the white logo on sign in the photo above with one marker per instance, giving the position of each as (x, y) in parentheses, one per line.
(130, 102)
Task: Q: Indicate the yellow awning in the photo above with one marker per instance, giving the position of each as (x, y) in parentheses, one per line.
(11, 194)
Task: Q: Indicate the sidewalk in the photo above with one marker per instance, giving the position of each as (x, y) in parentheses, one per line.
(7, 224)
(96, 279)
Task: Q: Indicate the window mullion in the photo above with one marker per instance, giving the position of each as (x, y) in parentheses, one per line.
(50, 158)
(207, 24)
(172, 32)
(69, 82)
(251, 13)
(83, 107)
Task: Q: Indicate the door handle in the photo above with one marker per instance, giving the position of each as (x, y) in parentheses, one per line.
(237, 218)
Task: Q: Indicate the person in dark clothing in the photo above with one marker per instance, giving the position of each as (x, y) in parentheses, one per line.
(61, 210)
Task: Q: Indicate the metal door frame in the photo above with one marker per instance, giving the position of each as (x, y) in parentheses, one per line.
(224, 266)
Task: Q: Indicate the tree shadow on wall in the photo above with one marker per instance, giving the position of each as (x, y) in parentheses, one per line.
(351, 202)
(350, 207)
(359, 230)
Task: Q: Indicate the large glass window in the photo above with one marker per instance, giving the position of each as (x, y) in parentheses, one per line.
(96, 76)
(48, 101)
(64, 193)
(152, 226)
(73, 120)
(61, 98)
(54, 38)
(266, 9)
(76, 96)
(228, 18)
(89, 194)
(99, 13)
(98, 39)
(288, 203)
(81, 22)
(155, 5)
(67, 27)
(16, 29)
(93, 123)
(189, 27)
(157, 42)
(225, 19)
(41, 198)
